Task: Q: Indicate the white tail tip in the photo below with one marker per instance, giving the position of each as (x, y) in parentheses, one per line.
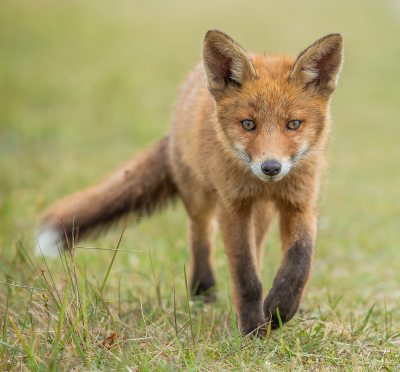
(46, 242)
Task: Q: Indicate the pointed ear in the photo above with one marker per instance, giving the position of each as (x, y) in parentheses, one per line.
(319, 65)
(225, 62)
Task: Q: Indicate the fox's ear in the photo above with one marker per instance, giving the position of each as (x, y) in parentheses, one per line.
(225, 62)
(319, 65)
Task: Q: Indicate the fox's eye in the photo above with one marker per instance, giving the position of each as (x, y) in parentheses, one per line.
(248, 125)
(294, 124)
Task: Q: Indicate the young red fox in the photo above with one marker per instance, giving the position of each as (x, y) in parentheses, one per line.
(247, 140)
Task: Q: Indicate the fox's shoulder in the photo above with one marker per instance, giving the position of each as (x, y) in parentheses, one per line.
(195, 79)
(194, 99)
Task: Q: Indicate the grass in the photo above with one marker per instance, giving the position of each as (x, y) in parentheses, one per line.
(83, 87)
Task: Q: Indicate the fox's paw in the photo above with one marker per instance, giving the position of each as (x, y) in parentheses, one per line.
(204, 290)
(287, 309)
(251, 319)
(257, 327)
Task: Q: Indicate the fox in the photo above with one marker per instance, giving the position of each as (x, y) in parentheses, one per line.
(248, 141)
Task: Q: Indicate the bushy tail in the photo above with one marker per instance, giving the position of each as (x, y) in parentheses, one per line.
(141, 187)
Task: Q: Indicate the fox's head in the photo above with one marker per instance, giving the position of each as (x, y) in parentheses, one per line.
(272, 110)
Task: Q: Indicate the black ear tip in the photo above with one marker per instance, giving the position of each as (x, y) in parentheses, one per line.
(336, 36)
(214, 33)
(213, 30)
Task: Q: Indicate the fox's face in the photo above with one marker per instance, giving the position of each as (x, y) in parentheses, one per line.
(271, 124)
(272, 110)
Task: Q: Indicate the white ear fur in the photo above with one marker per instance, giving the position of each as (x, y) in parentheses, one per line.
(320, 64)
(225, 62)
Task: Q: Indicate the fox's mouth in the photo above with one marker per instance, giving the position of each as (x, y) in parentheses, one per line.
(269, 179)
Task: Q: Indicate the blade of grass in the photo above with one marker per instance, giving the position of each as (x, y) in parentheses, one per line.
(280, 324)
(109, 313)
(70, 332)
(4, 342)
(173, 282)
(30, 289)
(365, 322)
(51, 277)
(61, 319)
(190, 315)
(27, 313)
(49, 290)
(337, 302)
(155, 280)
(268, 332)
(111, 263)
(119, 295)
(32, 344)
(24, 345)
(10, 346)
(235, 331)
(80, 351)
(73, 270)
(109, 249)
(199, 326)
(175, 337)
(27, 257)
(84, 312)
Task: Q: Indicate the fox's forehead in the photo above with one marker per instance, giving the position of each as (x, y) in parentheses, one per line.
(271, 92)
(271, 95)
(273, 66)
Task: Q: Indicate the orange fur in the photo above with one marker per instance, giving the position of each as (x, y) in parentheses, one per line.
(214, 165)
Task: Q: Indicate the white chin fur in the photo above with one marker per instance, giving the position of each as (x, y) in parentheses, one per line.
(45, 243)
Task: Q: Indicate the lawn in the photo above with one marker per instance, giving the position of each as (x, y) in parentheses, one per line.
(85, 85)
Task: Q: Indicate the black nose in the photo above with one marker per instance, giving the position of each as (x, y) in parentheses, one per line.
(271, 167)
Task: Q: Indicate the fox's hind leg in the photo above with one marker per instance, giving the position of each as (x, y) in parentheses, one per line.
(200, 207)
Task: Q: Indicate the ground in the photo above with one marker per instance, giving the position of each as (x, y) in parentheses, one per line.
(86, 85)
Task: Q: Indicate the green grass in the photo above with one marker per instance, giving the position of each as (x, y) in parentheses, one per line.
(84, 85)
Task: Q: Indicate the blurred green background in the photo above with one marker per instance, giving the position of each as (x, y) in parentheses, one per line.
(84, 85)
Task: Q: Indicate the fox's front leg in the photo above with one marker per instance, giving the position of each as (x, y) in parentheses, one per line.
(239, 235)
(298, 232)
